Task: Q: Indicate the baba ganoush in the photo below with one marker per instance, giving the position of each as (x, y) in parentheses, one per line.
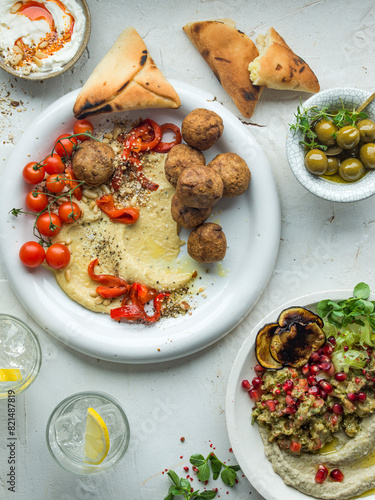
(317, 421)
(145, 252)
(40, 36)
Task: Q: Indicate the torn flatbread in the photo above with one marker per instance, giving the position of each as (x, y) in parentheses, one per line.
(126, 78)
(228, 52)
(278, 67)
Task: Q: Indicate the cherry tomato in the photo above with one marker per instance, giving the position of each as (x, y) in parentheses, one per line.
(55, 183)
(53, 164)
(64, 146)
(69, 212)
(36, 201)
(48, 224)
(58, 256)
(32, 254)
(33, 175)
(82, 126)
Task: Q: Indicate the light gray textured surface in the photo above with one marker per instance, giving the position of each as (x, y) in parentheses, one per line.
(324, 245)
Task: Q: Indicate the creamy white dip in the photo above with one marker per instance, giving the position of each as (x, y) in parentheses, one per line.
(15, 25)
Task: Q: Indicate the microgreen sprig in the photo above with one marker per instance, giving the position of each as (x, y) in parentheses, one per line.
(182, 487)
(306, 119)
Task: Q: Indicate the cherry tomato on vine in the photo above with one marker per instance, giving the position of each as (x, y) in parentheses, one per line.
(48, 224)
(53, 164)
(32, 254)
(55, 183)
(69, 212)
(32, 173)
(64, 145)
(58, 256)
(36, 201)
(82, 126)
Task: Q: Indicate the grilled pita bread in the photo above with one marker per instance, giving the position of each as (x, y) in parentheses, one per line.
(228, 52)
(278, 67)
(126, 78)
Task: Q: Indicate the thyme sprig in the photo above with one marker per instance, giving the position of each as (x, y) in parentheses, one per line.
(306, 119)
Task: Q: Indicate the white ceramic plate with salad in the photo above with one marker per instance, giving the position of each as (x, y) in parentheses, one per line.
(244, 436)
(251, 223)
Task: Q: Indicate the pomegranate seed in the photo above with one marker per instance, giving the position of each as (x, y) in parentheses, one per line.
(320, 351)
(314, 358)
(346, 348)
(257, 382)
(246, 384)
(314, 391)
(271, 405)
(186, 469)
(326, 386)
(311, 380)
(288, 385)
(277, 392)
(352, 397)
(328, 349)
(323, 394)
(334, 419)
(290, 401)
(331, 371)
(321, 474)
(337, 408)
(290, 410)
(336, 475)
(305, 369)
(362, 396)
(324, 359)
(314, 369)
(254, 394)
(325, 366)
(259, 368)
(341, 376)
(357, 380)
(332, 340)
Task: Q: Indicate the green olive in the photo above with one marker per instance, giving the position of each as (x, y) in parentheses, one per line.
(367, 130)
(325, 129)
(333, 165)
(348, 137)
(351, 169)
(316, 162)
(367, 155)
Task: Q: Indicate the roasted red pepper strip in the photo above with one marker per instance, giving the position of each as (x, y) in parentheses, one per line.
(141, 294)
(105, 279)
(136, 312)
(145, 183)
(125, 215)
(164, 147)
(141, 138)
(69, 174)
(111, 292)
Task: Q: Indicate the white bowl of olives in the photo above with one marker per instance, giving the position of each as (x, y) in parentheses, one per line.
(331, 144)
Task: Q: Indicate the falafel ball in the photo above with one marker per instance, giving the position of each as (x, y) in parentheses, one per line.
(180, 157)
(188, 217)
(202, 128)
(199, 187)
(93, 162)
(207, 243)
(234, 172)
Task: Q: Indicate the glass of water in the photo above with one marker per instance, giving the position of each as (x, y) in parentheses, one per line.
(66, 431)
(20, 356)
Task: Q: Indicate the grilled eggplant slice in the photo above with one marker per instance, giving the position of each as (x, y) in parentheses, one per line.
(263, 341)
(298, 315)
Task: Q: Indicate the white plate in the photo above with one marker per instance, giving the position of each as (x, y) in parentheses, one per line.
(244, 437)
(251, 223)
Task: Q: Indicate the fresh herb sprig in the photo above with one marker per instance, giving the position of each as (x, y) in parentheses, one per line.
(357, 309)
(226, 472)
(182, 486)
(306, 119)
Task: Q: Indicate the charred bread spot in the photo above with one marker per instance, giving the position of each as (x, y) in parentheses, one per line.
(249, 96)
(123, 86)
(302, 69)
(278, 67)
(143, 58)
(222, 59)
(206, 54)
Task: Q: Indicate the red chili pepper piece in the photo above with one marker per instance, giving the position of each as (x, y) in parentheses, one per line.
(69, 174)
(111, 292)
(164, 147)
(105, 279)
(141, 294)
(136, 312)
(125, 215)
(145, 182)
(141, 138)
(116, 179)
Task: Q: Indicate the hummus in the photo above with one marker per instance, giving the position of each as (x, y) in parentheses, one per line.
(348, 455)
(145, 252)
(40, 36)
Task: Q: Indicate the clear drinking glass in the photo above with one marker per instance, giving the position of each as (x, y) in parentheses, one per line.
(20, 356)
(66, 428)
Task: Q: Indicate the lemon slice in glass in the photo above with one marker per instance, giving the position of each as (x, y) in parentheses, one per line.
(10, 375)
(96, 438)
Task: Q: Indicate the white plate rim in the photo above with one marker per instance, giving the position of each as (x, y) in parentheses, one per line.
(274, 488)
(79, 334)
